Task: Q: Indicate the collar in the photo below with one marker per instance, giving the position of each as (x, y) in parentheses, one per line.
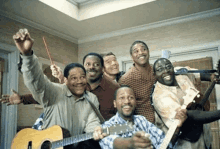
(183, 84)
(101, 84)
(148, 67)
(120, 119)
(165, 86)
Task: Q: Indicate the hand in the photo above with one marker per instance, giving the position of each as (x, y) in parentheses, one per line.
(98, 134)
(23, 41)
(13, 99)
(57, 72)
(181, 115)
(216, 78)
(141, 140)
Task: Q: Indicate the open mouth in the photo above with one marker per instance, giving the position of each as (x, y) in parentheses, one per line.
(92, 72)
(127, 107)
(167, 78)
(142, 57)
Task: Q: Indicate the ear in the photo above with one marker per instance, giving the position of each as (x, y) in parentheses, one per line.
(65, 80)
(114, 102)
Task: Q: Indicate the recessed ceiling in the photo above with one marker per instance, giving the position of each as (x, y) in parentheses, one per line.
(86, 9)
(91, 23)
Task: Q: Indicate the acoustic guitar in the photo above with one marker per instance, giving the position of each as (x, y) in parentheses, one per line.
(52, 138)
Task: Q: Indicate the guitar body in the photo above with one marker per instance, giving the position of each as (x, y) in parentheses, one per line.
(58, 137)
(37, 138)
(191, 131)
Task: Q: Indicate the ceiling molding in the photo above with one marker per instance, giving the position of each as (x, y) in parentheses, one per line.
(38, 26)
(88, 2)
(173, 21)
(82, 3)
(73, 2)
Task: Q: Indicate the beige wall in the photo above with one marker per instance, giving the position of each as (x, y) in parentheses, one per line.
(62, 51)
(178, 35)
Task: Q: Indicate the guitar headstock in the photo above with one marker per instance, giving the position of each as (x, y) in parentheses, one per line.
(120, 128)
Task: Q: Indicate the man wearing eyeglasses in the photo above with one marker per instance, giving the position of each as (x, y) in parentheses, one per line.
(169, 96)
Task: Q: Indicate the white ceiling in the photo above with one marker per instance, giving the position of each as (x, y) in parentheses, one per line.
(91, 27)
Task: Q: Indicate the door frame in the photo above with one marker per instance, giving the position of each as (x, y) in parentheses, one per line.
(10, 81)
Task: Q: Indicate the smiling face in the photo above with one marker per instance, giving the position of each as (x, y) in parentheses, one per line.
(111, 65)
(76, 81)
(140, 54)
(125, 102)
(164, 72)
(93, 68)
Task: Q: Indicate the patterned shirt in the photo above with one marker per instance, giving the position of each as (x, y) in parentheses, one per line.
(167, 99)
(142, 84)
(140, 124)
(39, 122)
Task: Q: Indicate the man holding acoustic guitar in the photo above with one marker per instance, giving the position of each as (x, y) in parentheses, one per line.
(173, 93)
(64, 104)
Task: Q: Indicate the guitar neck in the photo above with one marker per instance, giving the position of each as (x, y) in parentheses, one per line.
(169, 134)
(207, 93)
(74, 139)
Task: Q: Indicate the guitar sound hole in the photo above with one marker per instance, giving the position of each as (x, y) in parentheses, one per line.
(46, 145)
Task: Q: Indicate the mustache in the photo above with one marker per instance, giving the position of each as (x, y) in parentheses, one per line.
(91, 70)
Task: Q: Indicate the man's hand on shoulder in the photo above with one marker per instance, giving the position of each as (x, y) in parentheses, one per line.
(23, 41)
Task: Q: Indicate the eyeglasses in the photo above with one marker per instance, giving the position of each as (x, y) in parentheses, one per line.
(167, 67)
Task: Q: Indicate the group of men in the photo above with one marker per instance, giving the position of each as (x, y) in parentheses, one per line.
(119, 97)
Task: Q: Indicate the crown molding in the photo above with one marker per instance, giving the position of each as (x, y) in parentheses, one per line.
(38, 26)
(73, 2)
(172, 21)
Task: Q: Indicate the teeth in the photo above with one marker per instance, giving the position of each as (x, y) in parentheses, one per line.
(92, 73)
(126, 107)
(142, 57)
(167, 78)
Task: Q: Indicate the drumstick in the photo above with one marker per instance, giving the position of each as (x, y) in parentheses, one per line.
(48, 51)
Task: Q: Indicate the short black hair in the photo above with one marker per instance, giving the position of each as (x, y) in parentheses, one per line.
(136, 42)
(71, 66)
(154, 69)
(94, 54)
(122, 86)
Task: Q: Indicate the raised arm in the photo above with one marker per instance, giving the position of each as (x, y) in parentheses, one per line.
(33, 76)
